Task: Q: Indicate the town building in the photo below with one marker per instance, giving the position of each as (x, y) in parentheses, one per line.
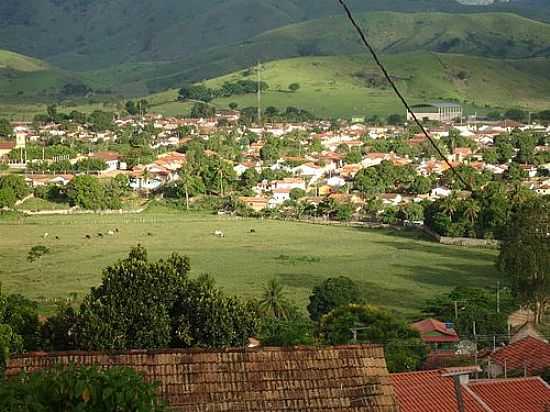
(444, 112)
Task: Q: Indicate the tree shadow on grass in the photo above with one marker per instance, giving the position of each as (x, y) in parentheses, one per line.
(451, 275)
(405, 233)
(399, 299)
(441, 250)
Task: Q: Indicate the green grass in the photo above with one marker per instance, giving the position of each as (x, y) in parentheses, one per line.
(41, 204)
(396, 270)
(332, 86)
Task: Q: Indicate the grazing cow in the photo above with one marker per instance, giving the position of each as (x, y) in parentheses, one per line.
(252, 230)
(219, 233)
(149, 234)
(45, 235)
(100, 235)
(116, 230)
(110, 233)
(88, 237)
(57, 238)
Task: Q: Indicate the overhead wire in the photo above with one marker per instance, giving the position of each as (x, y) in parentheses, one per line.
(379, 63)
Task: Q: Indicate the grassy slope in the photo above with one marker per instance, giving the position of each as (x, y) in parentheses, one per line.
(331, 86)
(396, 270)
(487, 34)
(24, 78)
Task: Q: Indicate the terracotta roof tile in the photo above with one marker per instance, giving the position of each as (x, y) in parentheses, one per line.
(529, 352)
(428, 326)
(430, 391)
(512, 395)
(338, 379)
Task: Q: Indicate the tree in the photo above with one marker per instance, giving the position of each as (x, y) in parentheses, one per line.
(490, 156)
(421, 185)
(516, 115)
(413, 212)
(395, 119)
(273, 302)
(204, 316)
(84, 389)
(233, 105)
(7, 197)
(10, 340)
(294, 87)
(86, 192)
(471, 210)
(295, 330)
(404, 349)
(463, 306)
(5, 128)
(333, 293)
(16, 184)
(297, 193)
(131, 307)
(449, 205)
(250, 178)
(525, 254)
(202, 110)
(196, 92)
(145, 304)
(101, 121)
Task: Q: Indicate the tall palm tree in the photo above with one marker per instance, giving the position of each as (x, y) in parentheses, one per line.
(449, 205)
(471, 210)
(273, 302)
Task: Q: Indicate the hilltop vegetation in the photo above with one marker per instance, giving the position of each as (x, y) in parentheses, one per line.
(433, 55)
(488, 35)
(79, 34)
(23, 77)
(344, 86)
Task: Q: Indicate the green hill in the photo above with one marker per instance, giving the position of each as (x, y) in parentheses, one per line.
(489, 35)
(351, 85)
(84, 34)
(24, 78)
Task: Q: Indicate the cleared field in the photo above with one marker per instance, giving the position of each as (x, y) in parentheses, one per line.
(396, 270)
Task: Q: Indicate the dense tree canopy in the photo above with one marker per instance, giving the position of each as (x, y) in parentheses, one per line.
(333, 293)
(145, 304)
(525, 254)
(403, 347)
(79, 389)
(463, 306)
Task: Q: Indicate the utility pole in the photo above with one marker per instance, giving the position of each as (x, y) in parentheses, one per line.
(259, 70)
(221, 179)
(498, 296)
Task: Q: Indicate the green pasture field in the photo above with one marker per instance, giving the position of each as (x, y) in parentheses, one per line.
(398, 270)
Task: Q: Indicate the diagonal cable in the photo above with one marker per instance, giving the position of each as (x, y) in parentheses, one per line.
(398, 93)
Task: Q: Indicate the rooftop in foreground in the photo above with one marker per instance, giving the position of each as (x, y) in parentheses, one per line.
(339, 379)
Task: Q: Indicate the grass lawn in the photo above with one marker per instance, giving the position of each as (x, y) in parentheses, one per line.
(396, 270)
(36, 203)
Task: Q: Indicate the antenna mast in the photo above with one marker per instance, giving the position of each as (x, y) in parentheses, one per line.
(259, 70)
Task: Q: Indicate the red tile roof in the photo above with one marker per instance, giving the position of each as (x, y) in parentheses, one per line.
(433, 391)
(512, 395)
(529, 352)
(428, 326)
(430, 391)
(106, 156)
(335, 379)
(7, 145)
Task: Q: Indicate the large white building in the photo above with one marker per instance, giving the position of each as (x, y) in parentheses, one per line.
(443, 112)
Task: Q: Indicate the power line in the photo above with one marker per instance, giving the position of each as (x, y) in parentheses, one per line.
(398, 93)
